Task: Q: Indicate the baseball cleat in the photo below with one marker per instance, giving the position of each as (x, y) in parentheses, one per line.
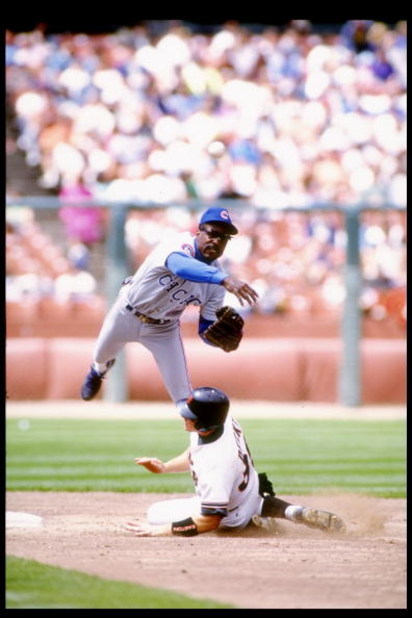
(328, 522)
(262, 522)
(91, 385)
(93, 381)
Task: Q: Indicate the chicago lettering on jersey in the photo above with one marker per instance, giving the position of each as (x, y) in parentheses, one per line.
(178, 293)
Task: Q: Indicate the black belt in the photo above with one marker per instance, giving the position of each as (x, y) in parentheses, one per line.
(145, 318)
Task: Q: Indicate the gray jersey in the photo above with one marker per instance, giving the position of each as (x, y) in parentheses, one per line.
(156, 291)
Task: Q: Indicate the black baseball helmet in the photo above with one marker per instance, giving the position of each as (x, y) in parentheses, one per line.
(207, 406)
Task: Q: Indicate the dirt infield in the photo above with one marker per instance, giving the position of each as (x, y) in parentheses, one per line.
(289, 567)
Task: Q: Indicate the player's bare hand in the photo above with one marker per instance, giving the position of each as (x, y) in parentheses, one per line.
(242, 290)
(151, 463)
(139, 529)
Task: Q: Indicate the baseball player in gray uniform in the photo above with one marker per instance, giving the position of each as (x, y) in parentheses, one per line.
(182, 270)
(229, 492)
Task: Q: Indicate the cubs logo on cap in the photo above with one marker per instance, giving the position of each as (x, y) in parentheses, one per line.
(219, 215)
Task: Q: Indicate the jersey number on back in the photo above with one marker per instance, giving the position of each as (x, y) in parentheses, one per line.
(243, 456)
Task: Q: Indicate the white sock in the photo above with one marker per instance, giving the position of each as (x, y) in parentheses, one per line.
(100, 367)
(293, 511)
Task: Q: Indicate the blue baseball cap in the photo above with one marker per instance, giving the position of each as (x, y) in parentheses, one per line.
(219, 215)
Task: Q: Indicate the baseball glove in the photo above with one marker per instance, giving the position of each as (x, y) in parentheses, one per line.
(227, 330)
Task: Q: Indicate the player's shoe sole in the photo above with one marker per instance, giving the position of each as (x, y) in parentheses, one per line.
(328, 522)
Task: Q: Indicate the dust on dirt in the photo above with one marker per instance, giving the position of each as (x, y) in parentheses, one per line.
(287, 567)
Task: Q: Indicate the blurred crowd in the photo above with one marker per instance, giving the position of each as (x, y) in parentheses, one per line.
(306, 118)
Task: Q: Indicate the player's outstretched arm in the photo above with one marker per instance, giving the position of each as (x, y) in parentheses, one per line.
(197, 524)
(177, 464)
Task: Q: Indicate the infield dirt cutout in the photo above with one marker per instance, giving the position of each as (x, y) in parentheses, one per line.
(288, 567)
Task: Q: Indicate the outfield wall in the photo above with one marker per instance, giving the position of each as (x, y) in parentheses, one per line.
(285, 369)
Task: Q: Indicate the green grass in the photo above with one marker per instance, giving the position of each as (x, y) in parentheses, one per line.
(31, 585)
(84, 455)
(367, 457)
(299, 456)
